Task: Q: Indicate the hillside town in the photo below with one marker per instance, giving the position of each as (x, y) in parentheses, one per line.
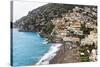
(78, 26)
(74, 26)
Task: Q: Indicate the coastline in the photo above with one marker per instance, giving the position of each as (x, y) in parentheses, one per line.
(50, 54)
(74, 30)
(61, 53)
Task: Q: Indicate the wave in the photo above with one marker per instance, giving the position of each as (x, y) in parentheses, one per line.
(50, 54)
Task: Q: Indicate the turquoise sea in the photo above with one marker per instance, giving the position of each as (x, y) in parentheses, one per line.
(28, 48)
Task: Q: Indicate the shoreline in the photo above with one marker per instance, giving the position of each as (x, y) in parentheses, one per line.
(60, 53)
(52, 52)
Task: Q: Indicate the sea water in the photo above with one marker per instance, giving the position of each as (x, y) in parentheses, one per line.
(28, 48)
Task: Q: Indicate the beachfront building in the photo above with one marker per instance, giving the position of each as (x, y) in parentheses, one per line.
(76, 25)
(90, 25)
(61, 33)
(72, 39)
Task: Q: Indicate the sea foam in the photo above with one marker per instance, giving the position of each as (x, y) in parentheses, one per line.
(50, 54)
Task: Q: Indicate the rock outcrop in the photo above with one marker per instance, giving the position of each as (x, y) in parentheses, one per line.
(38, 19)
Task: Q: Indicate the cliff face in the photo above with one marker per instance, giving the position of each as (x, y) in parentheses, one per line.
(38, 19)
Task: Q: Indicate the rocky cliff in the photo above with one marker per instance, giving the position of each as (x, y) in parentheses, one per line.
(39, 18)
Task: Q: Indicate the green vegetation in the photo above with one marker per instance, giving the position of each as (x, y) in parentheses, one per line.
(83, 49)
(48, 28)
(84, 58)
